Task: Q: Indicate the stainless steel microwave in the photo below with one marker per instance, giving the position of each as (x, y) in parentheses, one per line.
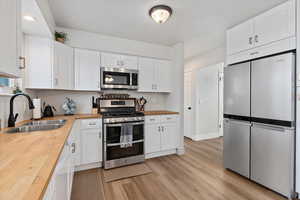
(119, 78)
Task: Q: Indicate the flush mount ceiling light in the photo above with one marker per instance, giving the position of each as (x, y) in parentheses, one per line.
(29, 18)
(160, 13)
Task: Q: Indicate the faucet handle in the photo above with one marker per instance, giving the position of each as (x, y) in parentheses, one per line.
(16, 116)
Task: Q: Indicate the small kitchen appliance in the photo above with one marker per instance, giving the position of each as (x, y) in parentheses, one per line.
(123, 132)
(119, 78)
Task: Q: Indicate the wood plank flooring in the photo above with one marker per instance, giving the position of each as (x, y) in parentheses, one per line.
(196, 175)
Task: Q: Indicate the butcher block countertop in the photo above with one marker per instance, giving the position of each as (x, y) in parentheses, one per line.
(160, 112)
(27, 160)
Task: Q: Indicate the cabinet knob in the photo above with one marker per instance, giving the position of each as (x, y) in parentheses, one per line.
(73, 147)
(256, 38)
(23, 64)
(250, 40)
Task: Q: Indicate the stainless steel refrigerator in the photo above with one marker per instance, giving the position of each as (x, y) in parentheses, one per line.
(259, 121)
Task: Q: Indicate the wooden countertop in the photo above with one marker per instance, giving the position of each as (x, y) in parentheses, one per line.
(160, 112)
(27, 160)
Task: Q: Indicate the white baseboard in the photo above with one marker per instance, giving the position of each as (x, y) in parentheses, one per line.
(160, 153)
(206, 136)
(88, 166)
(180, 151)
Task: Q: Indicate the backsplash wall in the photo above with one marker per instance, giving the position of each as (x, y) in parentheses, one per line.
(84, 99)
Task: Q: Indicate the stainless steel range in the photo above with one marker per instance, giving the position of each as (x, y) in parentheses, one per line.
(123, 130)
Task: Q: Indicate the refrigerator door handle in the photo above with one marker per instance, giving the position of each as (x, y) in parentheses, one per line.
(273, 127)
(241, 122)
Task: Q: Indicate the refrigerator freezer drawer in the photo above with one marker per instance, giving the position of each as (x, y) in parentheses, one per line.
(273, 87)
(237, 89)
(237, 146)
(272, 158)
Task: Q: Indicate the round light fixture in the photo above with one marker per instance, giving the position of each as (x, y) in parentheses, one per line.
(160, 13)
(29, 18)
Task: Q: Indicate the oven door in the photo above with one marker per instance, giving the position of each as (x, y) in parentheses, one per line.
(114, 149)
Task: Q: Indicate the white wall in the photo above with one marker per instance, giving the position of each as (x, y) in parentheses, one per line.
(93, 41)
(175, 100)
(211, 57)
(84, 99)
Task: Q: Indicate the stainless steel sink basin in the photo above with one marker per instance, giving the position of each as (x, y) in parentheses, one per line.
(45, 122)
(42, 125)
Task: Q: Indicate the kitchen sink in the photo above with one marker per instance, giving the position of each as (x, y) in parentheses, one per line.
(42, 125)
(45, 122)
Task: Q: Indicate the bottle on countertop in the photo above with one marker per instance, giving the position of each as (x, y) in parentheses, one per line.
(37, 112)
(94, 106)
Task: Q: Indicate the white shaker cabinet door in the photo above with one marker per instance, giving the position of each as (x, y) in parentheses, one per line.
(110, 60)
(163, 76)
(146, 74)
(152, 138)
(129, 62)
(87, 70)
(91, 146)
(39, 54)
(9, 36)
(63, 68)
(169, 136)
(275, 24)
(240, 37)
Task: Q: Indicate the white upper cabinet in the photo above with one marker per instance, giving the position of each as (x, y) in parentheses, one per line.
(119, 61)
(240, 37)
(110, 60)
(274, 25)
(38, 71)
(87, 70)
(146, 74)
(154, 75)
(10, 37)
(49, 64)
(163, 70)
(63, 66)
(129, 62)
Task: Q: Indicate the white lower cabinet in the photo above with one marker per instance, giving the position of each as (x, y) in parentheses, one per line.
(161, 133)
(91, 141)
(91, 148)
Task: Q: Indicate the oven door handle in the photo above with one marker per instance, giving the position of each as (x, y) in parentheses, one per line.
(119, 144)
(129, 123)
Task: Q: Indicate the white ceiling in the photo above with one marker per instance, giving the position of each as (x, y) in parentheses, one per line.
(39, 26)
(201, 24)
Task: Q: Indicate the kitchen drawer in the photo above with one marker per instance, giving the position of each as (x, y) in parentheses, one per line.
(168, 118)
(152, 119)
(91, 124)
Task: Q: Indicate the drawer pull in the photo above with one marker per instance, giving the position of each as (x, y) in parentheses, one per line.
(92, 124)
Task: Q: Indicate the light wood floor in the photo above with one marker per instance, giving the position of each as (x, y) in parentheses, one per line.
(197, 175)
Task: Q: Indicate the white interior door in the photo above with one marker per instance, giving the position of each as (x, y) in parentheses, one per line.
(207, 94)
(188, 105)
